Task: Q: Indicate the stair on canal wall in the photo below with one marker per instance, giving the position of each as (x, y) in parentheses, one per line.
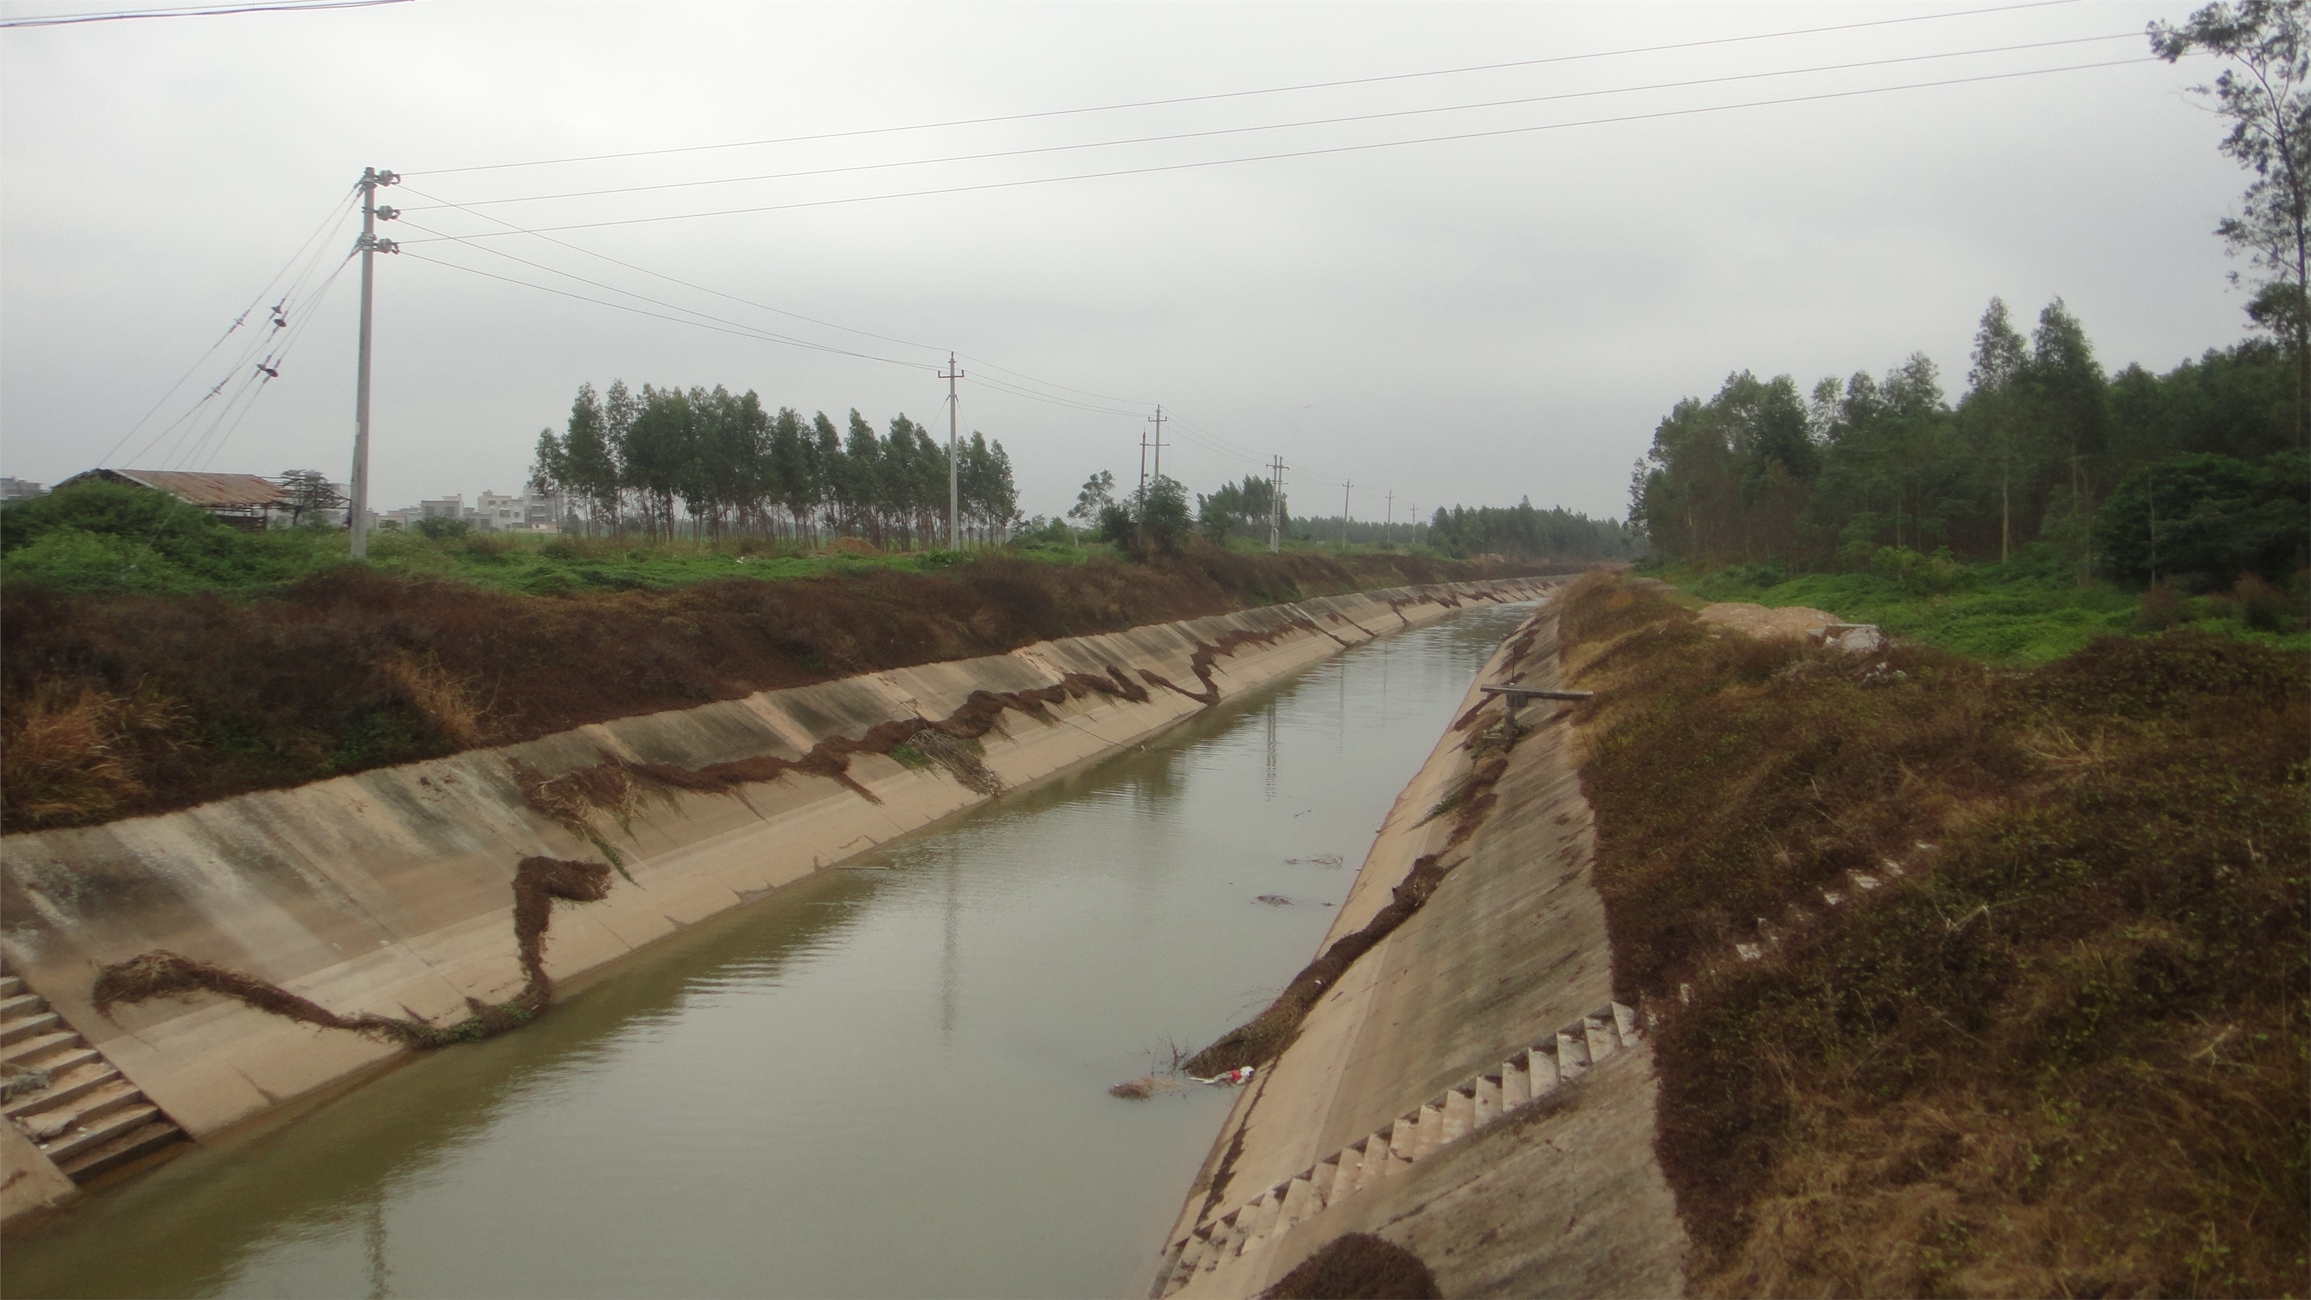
(78, 1110)
(1556, 1061)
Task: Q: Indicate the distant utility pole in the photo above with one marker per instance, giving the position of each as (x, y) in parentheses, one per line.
(954, 474)
(1158, 421)
(1143, 469)
(1276, 505)
(370, 245)
(1344, 512)
(1388, 519)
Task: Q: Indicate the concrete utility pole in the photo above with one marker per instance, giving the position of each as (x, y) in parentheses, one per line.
(1158, 421)
(1388, 519)
(1276, 505)
(954, 459)
(370, 245)
(1344, 512)
(1143, 469)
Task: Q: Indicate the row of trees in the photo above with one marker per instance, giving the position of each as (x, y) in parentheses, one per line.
(628, 459)
(2035, 451)
(1523, 532)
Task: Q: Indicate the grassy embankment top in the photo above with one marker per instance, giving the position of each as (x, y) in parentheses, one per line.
(2017, 615)
(238, 676)
(1965, 981)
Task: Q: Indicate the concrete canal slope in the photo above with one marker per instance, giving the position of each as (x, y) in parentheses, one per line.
(392, 892)
(1466, 1089)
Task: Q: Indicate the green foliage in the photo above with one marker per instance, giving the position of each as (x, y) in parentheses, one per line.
(97, 535)
(626, 460)
(1522, 532)
(2202, 520)
(2024, 613)
(442, 528)
(2036, 453)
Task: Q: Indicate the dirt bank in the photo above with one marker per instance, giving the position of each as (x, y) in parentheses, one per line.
(114, 707)
(1962, 981)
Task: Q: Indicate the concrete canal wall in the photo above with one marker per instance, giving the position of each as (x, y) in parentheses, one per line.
(389, 892)
(1466, 1089)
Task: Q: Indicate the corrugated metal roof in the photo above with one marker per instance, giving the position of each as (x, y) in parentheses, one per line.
(208, 489)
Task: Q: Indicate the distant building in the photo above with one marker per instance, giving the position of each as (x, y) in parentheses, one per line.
(496, 512)
(245, 501)
(17, 489)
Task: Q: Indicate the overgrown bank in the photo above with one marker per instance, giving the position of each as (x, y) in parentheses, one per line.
(2051, 1036)
(122, 705)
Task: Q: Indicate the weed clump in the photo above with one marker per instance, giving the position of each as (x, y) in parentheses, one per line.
(538, 881)
(2062, 1050)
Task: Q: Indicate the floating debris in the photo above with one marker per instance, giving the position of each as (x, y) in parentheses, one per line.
(1241, 1074)
(1274, 900)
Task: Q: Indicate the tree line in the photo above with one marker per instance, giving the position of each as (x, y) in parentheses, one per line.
(2205, 463)
(653, 459)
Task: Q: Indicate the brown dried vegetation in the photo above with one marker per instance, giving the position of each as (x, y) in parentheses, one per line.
(537, 883)
(353, 669)
(2062, 1051)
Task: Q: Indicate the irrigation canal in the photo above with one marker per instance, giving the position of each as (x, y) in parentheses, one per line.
(886, 1080)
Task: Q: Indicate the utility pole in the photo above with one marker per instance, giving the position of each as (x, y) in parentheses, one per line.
(1143, 469)
(1158, 421)
(954, 460)
(1276, 505)
(1388, 519)
(370, 246)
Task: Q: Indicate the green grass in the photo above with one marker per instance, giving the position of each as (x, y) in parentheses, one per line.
(547, 565)
(2003, 614)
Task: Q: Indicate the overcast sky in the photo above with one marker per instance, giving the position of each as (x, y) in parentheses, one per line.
(1467, 321)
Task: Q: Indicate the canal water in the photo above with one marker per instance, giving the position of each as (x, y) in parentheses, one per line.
(887, 1080)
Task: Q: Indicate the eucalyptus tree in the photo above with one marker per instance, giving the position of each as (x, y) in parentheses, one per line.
(2267, 44)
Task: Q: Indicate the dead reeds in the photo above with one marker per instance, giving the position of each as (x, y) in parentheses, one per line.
(2063, 1053)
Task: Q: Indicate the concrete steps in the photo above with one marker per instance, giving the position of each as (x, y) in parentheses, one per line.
(82, 1113)
(1529, 1074)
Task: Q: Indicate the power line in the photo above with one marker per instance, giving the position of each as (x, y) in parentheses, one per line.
(1241, 94)
(1334, 149)
(336, 215)
(191, 11)
(989, 155)
(983, 363)
(741, 331)
(511, 228)
(764, 334)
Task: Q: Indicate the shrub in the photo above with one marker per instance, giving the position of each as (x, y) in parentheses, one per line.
(2162, 608)
(441, 528)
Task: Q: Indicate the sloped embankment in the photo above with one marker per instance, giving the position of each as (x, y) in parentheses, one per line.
(1447, 1091)
(116, 706)
(378, 904)
(1961, 981)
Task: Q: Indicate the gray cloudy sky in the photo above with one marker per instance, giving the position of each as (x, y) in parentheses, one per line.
(1469, 321)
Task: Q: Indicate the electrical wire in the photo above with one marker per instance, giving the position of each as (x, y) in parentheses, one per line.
(511, 228)
(1331, 150)
(1241, 94)
(275, 361)
(336, 214)
(655, 302)
(1210, 133)
(741, 331)
(242, 367)
(191, 11)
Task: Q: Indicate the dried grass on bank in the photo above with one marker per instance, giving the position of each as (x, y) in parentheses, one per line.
(2063, 1054)
(353, 669)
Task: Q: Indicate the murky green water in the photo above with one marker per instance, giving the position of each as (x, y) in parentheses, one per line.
(885, 1081)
